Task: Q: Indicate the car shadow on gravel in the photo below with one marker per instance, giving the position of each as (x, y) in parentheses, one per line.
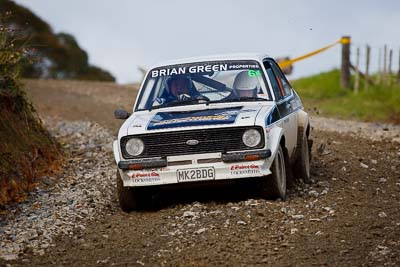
(233, 191)
(220, 193)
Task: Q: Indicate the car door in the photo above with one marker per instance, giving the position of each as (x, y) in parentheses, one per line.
(284, 97)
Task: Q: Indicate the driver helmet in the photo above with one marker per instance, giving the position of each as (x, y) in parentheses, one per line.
(172, 78)
(245, 85)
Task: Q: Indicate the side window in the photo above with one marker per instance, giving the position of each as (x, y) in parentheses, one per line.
(273, 117)
(147, 96)
(282, 79)
(276, 87)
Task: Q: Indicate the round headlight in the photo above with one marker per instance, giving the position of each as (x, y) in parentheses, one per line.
(251, 138)
(134, 146)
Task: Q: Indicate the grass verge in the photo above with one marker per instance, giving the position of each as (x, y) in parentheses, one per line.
(322, 94)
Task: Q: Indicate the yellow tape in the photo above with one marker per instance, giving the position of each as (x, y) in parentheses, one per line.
(287, 63)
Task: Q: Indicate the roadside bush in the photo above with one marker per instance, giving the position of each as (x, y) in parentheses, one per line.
(27, 150)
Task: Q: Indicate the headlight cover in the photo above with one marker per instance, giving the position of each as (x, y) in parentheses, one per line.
(251, 138)
(134, 147)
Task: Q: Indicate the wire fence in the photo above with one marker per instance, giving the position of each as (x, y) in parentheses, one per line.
(382, 62)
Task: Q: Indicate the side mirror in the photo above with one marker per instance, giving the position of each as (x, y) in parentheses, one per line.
(121, 114)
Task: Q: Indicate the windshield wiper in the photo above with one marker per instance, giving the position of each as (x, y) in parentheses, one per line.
(247, 98)
(244, 98)
(190, 101)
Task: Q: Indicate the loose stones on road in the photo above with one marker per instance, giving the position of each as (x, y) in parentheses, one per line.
(84, 190)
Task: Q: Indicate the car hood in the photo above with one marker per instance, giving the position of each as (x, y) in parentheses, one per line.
(240, 115)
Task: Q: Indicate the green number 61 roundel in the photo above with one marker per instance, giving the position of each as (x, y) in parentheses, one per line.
(254, 73)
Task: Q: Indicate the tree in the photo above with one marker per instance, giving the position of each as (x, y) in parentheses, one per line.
(57, 56)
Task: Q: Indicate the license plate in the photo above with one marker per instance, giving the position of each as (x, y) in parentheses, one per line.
(197, 174)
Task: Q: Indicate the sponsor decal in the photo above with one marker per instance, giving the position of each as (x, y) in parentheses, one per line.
(189, 119)
(145, 177)
(244, 169)
(164, 120)
(248, 110)
(207, 67)
(188, 69)
(138, 122)
(145, 174)
(243, 66)
(146, 180)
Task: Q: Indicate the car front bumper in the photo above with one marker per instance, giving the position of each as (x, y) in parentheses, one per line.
(196, 168)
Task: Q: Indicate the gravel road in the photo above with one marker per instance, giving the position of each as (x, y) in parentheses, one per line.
(349, 215)
(66, 203)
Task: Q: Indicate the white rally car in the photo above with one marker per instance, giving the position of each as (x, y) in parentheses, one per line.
(212, 118)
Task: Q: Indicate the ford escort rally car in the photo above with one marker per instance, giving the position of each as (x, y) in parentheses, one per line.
(209, 119)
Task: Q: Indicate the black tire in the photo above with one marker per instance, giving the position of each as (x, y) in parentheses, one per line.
(274, 186)
(303, 159)
(126, 196)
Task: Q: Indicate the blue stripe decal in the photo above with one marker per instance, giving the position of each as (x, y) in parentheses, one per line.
(163, 120)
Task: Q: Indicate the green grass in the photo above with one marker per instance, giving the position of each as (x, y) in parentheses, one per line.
(321, 94)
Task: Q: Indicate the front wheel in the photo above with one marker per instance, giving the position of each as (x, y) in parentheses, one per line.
(127, 199)
(274, 185)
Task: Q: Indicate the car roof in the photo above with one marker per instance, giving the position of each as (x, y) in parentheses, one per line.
(221, 57)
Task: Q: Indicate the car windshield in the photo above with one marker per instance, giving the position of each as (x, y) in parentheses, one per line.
(205, 82)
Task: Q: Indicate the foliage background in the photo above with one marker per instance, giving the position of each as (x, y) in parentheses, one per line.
(56, 56)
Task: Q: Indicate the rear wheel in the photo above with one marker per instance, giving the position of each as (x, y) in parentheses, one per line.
(128, 201)
(274, 185)
(302, 164)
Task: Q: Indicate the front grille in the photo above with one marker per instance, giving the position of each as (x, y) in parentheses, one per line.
(174, 143)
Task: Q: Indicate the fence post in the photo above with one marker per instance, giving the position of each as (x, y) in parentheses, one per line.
(357, 74)
(368, 53)
(384, 64)
(389, 76)
(383, 74)
(378, 78)
(384, 59)
(345, 71)
(398, 72)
